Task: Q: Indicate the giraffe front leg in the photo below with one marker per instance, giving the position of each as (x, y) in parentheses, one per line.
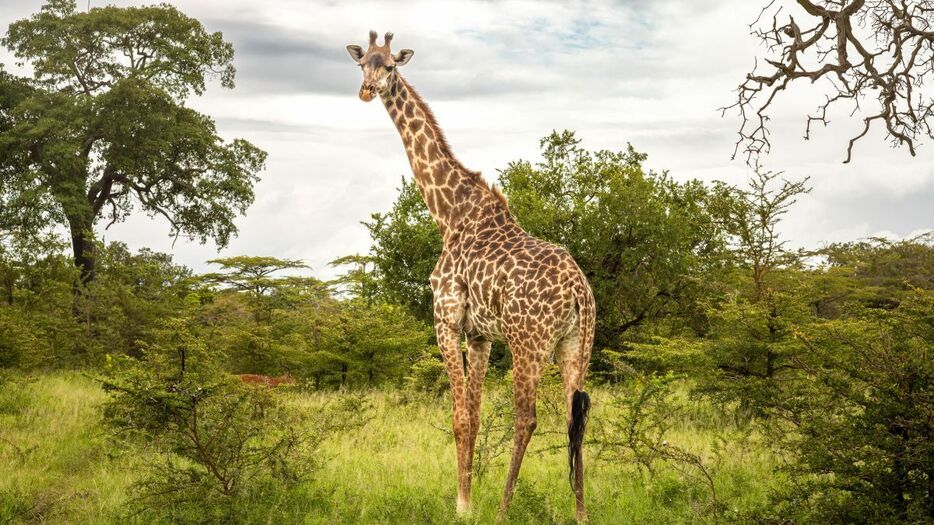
(478, 359)
(449, 343)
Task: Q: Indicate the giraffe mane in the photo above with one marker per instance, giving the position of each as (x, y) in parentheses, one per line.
(445, 147)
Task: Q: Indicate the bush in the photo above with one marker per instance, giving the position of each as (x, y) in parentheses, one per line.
(863, 439)
(22, 343)
(637, 431)
(219, 440)
(428, 374)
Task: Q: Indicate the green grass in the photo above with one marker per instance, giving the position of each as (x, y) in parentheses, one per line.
(58, 466)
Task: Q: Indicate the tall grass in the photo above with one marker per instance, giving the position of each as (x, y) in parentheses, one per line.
(57, 465)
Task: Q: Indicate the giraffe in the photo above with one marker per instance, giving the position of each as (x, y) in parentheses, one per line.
(493, 281)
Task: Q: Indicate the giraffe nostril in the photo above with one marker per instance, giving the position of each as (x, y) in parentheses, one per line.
(367, 93)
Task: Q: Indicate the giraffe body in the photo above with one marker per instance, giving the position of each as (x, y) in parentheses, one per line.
(493, 281)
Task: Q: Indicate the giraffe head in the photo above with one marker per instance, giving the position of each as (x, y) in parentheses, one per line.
(378, 65)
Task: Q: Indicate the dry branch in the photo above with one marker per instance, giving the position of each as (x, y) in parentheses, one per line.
(873, 56)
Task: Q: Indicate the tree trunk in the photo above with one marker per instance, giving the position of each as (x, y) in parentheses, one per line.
(9, 290)
(82, 244)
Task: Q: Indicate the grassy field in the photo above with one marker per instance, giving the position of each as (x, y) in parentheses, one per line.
(57, 465)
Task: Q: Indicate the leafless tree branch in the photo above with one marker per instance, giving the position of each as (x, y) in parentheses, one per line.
(872, 53)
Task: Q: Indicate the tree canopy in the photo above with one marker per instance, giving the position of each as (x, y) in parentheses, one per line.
(101, 127)
(644, 240)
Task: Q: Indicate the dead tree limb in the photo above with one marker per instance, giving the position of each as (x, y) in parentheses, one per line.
(872, 56)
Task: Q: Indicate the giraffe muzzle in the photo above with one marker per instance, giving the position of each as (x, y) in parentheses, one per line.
(367, 92)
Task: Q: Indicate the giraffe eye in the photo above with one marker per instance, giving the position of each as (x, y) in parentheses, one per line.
(390, 68)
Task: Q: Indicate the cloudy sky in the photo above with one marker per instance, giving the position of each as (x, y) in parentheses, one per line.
(501, 75)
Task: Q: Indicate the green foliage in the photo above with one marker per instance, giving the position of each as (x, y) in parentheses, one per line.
(406, 246)
(132, 297)
(360, 281)
(645, 242)
(102, 127)
(639, 432)
(35, 293)
(761, 301)
(428, 373)
(863, 437)
(22, 343)
(252, 274)
(376, 344)
(217, 439)
(883, 271)
(25, 209)
(80, 51)
(751, 217)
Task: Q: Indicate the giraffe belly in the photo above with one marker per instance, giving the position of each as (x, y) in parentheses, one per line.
(482, 321)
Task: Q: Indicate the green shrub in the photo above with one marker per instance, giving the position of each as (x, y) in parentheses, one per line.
(862, 434)
(637, 430)
(22, 344)
(428, 374)
(218, 440)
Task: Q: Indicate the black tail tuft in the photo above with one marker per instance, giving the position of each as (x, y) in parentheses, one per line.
(580, 407)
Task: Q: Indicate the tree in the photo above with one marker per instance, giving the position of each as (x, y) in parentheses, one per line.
(360, 281)
(252, 274)
(883, 271)
(266, 323)
(406, 246)
(25, 209)
(133, 294)
(102, 126)
(862, 438)
(377, 344)
(766, 297)
(865, 53)
(644, 241)
(751, 218)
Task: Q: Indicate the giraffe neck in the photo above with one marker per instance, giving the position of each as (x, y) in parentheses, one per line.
(449, 190)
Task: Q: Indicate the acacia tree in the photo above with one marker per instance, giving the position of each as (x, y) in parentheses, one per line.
(873, 57)
(763, 303)
(751, 217)
(101, 127)
(252, 274)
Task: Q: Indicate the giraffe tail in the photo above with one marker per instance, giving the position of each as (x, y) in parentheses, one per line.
(580, 401)
(580, 407)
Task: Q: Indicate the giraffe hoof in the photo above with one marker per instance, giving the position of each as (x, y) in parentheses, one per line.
(463, 507)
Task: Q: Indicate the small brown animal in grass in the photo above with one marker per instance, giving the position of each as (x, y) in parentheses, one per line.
(267, 381)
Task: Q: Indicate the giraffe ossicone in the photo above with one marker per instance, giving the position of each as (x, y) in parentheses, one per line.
(493, 281)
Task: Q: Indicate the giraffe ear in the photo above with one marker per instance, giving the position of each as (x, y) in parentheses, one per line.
(356, 53)
(402, 57)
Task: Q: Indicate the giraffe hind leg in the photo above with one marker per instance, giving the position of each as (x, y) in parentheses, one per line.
(527, 371)
(578, 407)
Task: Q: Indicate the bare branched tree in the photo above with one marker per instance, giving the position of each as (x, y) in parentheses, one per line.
(874, 56)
